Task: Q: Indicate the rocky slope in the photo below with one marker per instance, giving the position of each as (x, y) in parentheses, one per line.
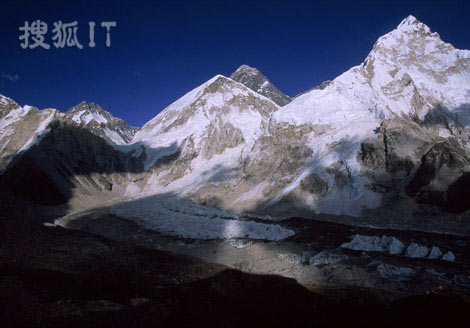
(21, 127)
(256, 81)
(385, 142)
(201, 139)
(361, 144)
(378, 121)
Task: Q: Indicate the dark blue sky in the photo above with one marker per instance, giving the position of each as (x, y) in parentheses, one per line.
(162, 49)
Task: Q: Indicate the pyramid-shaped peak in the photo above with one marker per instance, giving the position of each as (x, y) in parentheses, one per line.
(411, 24)
(88, 106)
(410, 20)
(256, 81)
(90, 111)
(246, 70)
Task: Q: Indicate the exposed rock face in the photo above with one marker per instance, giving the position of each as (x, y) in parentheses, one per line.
(388, 137)
(20, 128)
(442, 177)
(206, 133)
(6, 105)
(384, 116)
(259, 83)
(100, 122)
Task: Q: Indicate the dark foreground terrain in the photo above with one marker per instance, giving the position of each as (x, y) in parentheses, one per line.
(54, 277)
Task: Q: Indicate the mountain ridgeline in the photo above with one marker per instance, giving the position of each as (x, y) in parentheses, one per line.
(387, 140)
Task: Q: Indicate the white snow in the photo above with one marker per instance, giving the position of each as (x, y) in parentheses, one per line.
(180, 217)
(3, 100)
(14, 116)
(402, 66)
(114, 136)
(85, 117)
(444, 133)
(41, 130)
(205, 111)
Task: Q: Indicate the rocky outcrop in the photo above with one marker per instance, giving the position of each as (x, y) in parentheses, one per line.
(388, 138)
(256, 81)
(442, 177)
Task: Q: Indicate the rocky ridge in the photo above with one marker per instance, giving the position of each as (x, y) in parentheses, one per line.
(387, 140)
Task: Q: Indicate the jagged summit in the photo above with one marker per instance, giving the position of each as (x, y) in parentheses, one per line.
(411, 23)
(221, 115)
(246, 68)
(90, 107)
(256, 81)
(101, 122)
(351, 144)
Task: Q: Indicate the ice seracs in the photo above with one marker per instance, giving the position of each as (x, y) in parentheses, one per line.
(387, 244)
(449, 256)
(394, 246)
(435, 253)
(415, 250)
(356, 145)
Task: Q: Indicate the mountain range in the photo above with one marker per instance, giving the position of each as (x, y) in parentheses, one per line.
(386, 140)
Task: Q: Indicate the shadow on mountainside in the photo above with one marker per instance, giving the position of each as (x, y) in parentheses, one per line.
(72, 163)
(67, 162)
(76, 279)
(443, 117)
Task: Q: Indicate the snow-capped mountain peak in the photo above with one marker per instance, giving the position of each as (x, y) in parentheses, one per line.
(212, 98)
(411, 23)
(102, 123)
(256, 81)
(86, 112)
(411, 62)
(354, 143)
(211, 126)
